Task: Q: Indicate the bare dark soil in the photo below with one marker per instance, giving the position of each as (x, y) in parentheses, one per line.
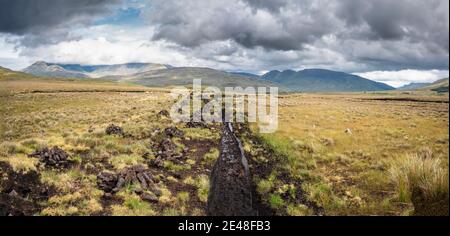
(197, 148)
(21, 194)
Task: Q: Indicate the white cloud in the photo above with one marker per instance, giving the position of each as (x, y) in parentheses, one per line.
(107, 44)
(403, 77)
(9, 55)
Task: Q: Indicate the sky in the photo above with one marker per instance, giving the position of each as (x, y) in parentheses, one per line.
(395, 42)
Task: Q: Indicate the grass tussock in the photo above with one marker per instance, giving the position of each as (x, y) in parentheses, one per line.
(202, 185)
(338, 150)
(123, 161)
(77, 195)
(423, 180)
(211, 157)
(21, 163)
(133, 206)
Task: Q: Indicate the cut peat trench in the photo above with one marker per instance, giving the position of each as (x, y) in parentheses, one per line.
(406, 100)
(83, 91)
(231, 189)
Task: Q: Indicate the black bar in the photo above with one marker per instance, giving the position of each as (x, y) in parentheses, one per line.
(169, 225)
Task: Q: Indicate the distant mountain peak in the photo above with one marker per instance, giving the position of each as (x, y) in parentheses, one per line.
(322, 80)
(272, 72)
(413, 86)
(40, 63)
(45, 69)
(246, 74)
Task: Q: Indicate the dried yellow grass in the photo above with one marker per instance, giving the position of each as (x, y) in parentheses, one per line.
(422, 179)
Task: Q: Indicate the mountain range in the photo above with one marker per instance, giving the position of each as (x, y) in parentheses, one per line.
(437, 86)
(149, 74)
(319, 80)
(413, 86)
(185, 75)
(440, 86)
(95, 71)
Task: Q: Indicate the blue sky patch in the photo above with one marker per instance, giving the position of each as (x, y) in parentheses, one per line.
(129, 16)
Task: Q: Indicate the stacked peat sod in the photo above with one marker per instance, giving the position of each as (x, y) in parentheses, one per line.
(112, 183)
(52, 157)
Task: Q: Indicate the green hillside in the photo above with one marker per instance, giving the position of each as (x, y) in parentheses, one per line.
(317, 80)
(438, 86)
(185, 75)
(10, 74)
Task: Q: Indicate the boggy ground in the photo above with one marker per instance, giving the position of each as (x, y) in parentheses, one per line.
(358, 154)
(109, 135)
(76, 122)
(332, 154)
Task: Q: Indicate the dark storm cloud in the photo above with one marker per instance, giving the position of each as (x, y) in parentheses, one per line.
(351, 35)
(396, 20)
(250, 23)
(288, 24)
(407, 31)
(34, 18)
(415, 33)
